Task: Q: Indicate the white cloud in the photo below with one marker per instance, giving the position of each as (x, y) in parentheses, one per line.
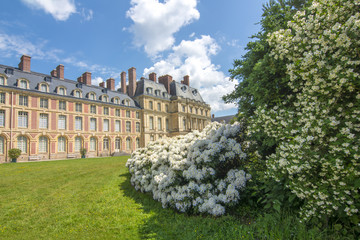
(193, 58)
(87, 15)
(155, 22)
(96, 81)
(59, 9)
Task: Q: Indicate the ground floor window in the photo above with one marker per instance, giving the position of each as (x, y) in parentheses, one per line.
(61, 144)
(22, 144)
(43, 144)
(128, 143)
(92, 144)
(137, 143)
(106, 144)
(118, 144)
(2, 145)
(78, 144)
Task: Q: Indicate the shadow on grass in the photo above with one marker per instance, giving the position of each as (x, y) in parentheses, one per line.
(169, 224)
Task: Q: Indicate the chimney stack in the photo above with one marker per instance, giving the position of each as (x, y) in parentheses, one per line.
(25, 62)
(60, 71)
(110, 84)
(102, 84)
(186, 80)
(86, 78)
(132, 81)
(53, 73)
(123, 82)
(166, 80)
(152, 76)
(80, 79)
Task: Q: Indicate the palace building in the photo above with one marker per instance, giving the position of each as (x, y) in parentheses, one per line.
(50, 117)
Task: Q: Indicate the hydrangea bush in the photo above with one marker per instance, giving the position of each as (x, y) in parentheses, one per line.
(319, 126)
(197, 172)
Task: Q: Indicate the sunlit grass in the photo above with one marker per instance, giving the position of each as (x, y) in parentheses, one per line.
(93, 199)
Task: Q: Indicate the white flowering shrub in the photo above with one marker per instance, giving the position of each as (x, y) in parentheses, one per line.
(319, 127)
(197, 172)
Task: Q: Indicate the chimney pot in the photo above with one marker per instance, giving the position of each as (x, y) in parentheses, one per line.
(123, 82)
(166, 80)
(86, 78)
(152, 76)
(102, 84)
(54, 73)
(186, 80)
(110, 84)
(25, 62)
(60, 71)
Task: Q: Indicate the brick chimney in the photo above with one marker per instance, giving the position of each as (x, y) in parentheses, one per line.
(80, 79)
(166, 80)
(110, 84)
(132, 81)
(186, 80)
(152, 76)
(53, 73)
(123, 82)
(102, 84)
(86, 78)
(60, 71)
(25, 62)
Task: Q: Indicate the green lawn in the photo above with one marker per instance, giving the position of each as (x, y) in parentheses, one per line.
(93, 199)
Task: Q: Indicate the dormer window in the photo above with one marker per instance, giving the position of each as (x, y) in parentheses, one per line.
(126, 102)
(43, 88)
(22, 83)
(61, 91)
(194, 92)
(9, 71)
(104, 98)
(92, 96)
(77, 94)
(116, 100)
(2, 80)
(183, 88)
(47, 79)
(165, 95)
(79, 85)
(104, 90)
(157, 92)
(149, 90)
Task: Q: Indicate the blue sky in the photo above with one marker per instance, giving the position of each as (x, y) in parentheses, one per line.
(200, 38)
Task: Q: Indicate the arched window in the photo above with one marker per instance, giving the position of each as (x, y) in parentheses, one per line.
(92, 144)
(118, 144)
(22, 144)
(104, 98)
(137, 142)
(61, 144)
(116, 100)
(126, 102)
(61, 91)
(23, 84)
(78, 144)
(43, 87)
(128, 143)
(43, 144)
(77, 94)
(92, 96)
(1, 145)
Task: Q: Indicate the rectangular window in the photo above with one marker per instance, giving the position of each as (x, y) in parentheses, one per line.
(151, 105)
(2, 118)
(117, 112)
(78, 107)
(138, 127)
(23, 119)
(106, 111)
(78, 123)
(159, 124)
(159, 106)
(23, 100)
(167, 108)
(93, 124)
(92, 144)
(167, 124)
(93, 109)
(137, 115)
(106, 144)
(2, 97)
(128, 126)
(43, 122)
(44, 103)
(190, 109)
(62, 122)
(106, 125)
(61, 144)
(151, 123)
(183, 108)
(128, 114)
(62, 105)
(117, 125)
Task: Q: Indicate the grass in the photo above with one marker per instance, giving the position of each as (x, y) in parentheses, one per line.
(93, 199)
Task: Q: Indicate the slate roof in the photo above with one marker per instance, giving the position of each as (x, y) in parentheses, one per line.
(222, 119)
(70, 85)
(157, 89)
(184, 91)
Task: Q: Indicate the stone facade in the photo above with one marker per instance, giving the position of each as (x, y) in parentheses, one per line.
(49, 117)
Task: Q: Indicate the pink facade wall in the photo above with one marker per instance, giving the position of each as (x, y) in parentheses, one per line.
(53, 147)
(34, 123)
(34, 101)
(71, 122)
(53, 121)
(53, 104)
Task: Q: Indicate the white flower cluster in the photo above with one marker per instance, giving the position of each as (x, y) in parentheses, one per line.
(319, 134)
(196, 172)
